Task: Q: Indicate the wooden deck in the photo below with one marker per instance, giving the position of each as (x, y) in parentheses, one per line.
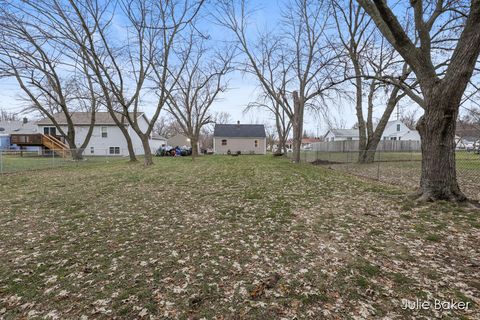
(26, 139)
(54, 143)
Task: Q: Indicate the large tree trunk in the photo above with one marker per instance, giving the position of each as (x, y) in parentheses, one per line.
(148, 152)
(281, 139)
(120, 124)
(367, 154)
(297, 126)
(362, 132)
(194, 145)
(77, 154)
(131, 150)
(437, 130)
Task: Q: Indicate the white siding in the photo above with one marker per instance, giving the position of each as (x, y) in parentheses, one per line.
(114, 138)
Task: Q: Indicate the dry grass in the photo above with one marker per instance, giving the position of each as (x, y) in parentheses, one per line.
(245, 237)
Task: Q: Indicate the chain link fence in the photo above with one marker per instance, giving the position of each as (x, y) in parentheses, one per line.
(397, 168)
(12, 161)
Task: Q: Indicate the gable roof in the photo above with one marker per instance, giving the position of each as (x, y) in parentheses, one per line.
(311, 140)
(156, 136)
(344, 132)
(239, 130)
(468, 131)
(14, 127)
(82, 118)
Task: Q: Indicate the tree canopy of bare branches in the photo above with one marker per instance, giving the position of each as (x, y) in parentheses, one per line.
(37, 51)
(199, 85)
(442, 52)
(294, 64)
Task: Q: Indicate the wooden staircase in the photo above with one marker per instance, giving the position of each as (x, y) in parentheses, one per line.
(55, 145)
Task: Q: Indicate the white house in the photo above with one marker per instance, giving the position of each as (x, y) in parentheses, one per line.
(107, 138)
(7, 128)
(180, 140)
(341, 135)
(394, 130)
(397, 130)
(246, 138)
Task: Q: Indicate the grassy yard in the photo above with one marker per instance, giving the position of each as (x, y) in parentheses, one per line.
(247, 237)
(463, 158)
(31, 162)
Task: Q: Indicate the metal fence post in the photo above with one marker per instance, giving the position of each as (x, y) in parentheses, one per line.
(1, 162)
(378, 170)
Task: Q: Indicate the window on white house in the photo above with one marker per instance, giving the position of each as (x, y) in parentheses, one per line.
(332, 139)
(114, 150)
(256, 143)
(398, 127)
(92, 150)
(50, 131)
(349, 138)
(104, 132)
(224, 142)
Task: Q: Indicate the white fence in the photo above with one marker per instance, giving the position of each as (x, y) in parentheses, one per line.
(353, 145)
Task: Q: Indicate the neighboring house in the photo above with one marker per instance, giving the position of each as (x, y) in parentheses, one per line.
(341, 135)
(460, 143)
(180, 140)
(397, 130)
(7, 128)
(107, 139)
(157, 142)
(468, 135)
(394, 130)
(307, 143)
(246, 138)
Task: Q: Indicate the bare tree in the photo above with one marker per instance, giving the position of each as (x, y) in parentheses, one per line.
(271, 136)
(48, 66)
(167, 127)
(281, 113)
(443, 62)
(222, 117)
(410, 118)
(371, 59)
(198, 87)
(8, 116)
(150, 63)
(299, 54)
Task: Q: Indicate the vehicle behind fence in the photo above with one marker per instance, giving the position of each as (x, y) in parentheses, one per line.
(27, 160)
(401, 168)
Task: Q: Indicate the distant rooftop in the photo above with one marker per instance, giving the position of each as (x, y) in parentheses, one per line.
(345, 132)
(239, 130)
(83, 118)
(17, 127)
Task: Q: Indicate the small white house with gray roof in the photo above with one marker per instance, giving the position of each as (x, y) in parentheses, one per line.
(246, 138)
(394, 130)
(341, 135)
